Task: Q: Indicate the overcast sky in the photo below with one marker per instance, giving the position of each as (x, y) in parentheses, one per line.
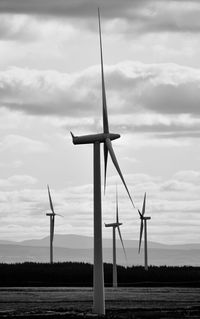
(50, 85)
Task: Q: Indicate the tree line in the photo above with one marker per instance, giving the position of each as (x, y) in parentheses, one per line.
(81, 274)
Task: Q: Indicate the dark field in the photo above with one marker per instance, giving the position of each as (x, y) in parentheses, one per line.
(57, 302)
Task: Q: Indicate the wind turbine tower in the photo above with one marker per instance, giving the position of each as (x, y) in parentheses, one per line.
(96, 139)
(52, 224)
(115, 226)
(143, 225)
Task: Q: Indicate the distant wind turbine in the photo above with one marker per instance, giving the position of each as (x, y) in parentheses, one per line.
(115, 225)
(143, 224)
(106, 137)
(52, 224)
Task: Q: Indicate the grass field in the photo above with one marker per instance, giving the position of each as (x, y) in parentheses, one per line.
(39, 302)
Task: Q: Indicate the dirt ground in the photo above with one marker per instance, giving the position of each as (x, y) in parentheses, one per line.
(136, 303)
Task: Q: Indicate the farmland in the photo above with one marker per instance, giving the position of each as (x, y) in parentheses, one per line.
(75, 302)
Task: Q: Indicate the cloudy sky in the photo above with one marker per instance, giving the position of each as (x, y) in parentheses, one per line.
(50, 84)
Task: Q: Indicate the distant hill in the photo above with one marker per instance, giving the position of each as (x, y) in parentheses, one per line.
(79, 248)
(85, 242)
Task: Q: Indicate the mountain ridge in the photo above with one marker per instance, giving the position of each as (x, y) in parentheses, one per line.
(73, 241)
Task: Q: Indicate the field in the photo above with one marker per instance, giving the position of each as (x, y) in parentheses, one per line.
(62, 302)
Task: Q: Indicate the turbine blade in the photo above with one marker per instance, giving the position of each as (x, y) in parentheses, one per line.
(120, 236)
(105, 113)
(50, 200)
(114, 159)
(139, 213)
(72, 134)
(144, 205)
(117, 208)
(141, 231)
(59, 215)
(105, 164)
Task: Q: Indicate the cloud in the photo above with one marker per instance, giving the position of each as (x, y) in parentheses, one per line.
(12, 164)
(188, 176)
(24, 28)
(133, 87)
(18, 181)
(172, 98)
(159, 98)
(164, 88)
(170, 16)
(78, 8)
(18, 143)
(47, 92)
(14, 28)
(174, 185)
(161, 125)
(174, 199)
(138, 16)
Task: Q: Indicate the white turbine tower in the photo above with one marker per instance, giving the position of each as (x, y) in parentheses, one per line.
(52, 224)
(143, 224)
(96, 139)
(115, 225)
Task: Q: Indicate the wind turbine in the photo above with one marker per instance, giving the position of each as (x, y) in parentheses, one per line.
(52, 224)
(143, 224)
(115, 225)
(96, 139)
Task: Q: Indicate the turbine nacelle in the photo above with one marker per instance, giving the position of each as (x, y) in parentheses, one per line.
(92, 138)
(113, 225)
(50, 214)
(144, 217)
